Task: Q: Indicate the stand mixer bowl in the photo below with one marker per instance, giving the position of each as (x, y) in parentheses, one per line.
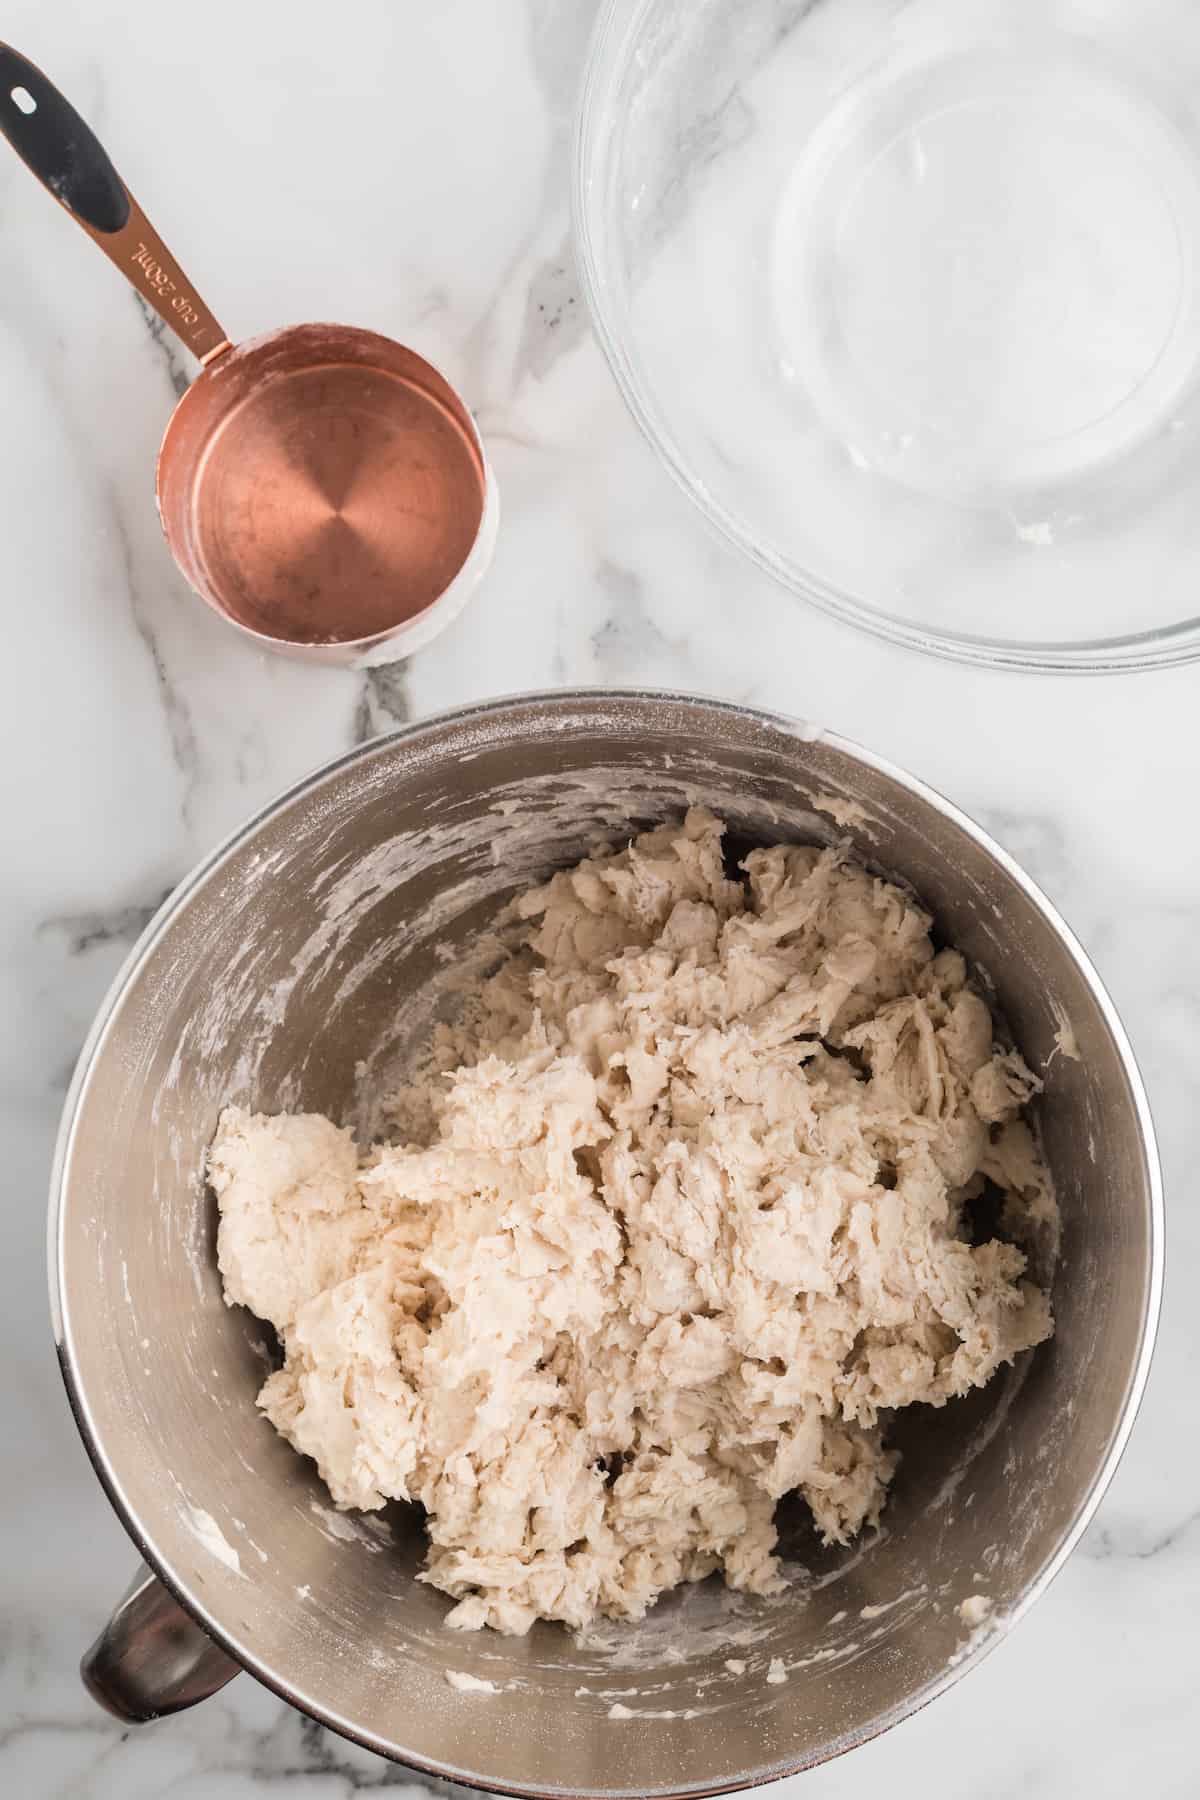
(321, 935)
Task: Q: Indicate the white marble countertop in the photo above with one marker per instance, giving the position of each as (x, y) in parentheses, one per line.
(407, 169)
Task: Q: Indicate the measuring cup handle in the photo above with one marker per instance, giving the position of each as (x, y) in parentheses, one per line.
(67, 157)
(151, 1658)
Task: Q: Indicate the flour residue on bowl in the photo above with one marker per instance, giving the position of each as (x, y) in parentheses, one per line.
(465, 1683)
(206, 1530)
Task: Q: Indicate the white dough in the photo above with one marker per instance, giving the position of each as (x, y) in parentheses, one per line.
(469, 1684)
(689, 1217)
(975, 1609)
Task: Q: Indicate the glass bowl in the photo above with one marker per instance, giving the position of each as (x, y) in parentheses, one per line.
(908, 300)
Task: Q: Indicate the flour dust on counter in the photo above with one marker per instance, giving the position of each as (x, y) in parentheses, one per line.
(680, 1211)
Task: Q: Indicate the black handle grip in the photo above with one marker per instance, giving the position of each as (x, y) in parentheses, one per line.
(59, 147)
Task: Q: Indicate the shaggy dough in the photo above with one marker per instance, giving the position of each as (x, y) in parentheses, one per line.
(689, 1218)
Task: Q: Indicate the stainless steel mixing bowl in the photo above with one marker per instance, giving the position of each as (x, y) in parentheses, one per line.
(321, 935)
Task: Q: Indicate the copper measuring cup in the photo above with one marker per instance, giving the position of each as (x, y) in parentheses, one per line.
(323, 488)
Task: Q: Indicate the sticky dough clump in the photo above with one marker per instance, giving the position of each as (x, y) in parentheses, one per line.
(689, 1220)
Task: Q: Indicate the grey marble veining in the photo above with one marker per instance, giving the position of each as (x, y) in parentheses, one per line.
(311, 165)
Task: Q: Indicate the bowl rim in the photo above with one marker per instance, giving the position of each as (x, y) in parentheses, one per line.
(520, 705)
(1170, 646)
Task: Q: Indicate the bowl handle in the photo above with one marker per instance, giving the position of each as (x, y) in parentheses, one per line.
(152, 1658)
